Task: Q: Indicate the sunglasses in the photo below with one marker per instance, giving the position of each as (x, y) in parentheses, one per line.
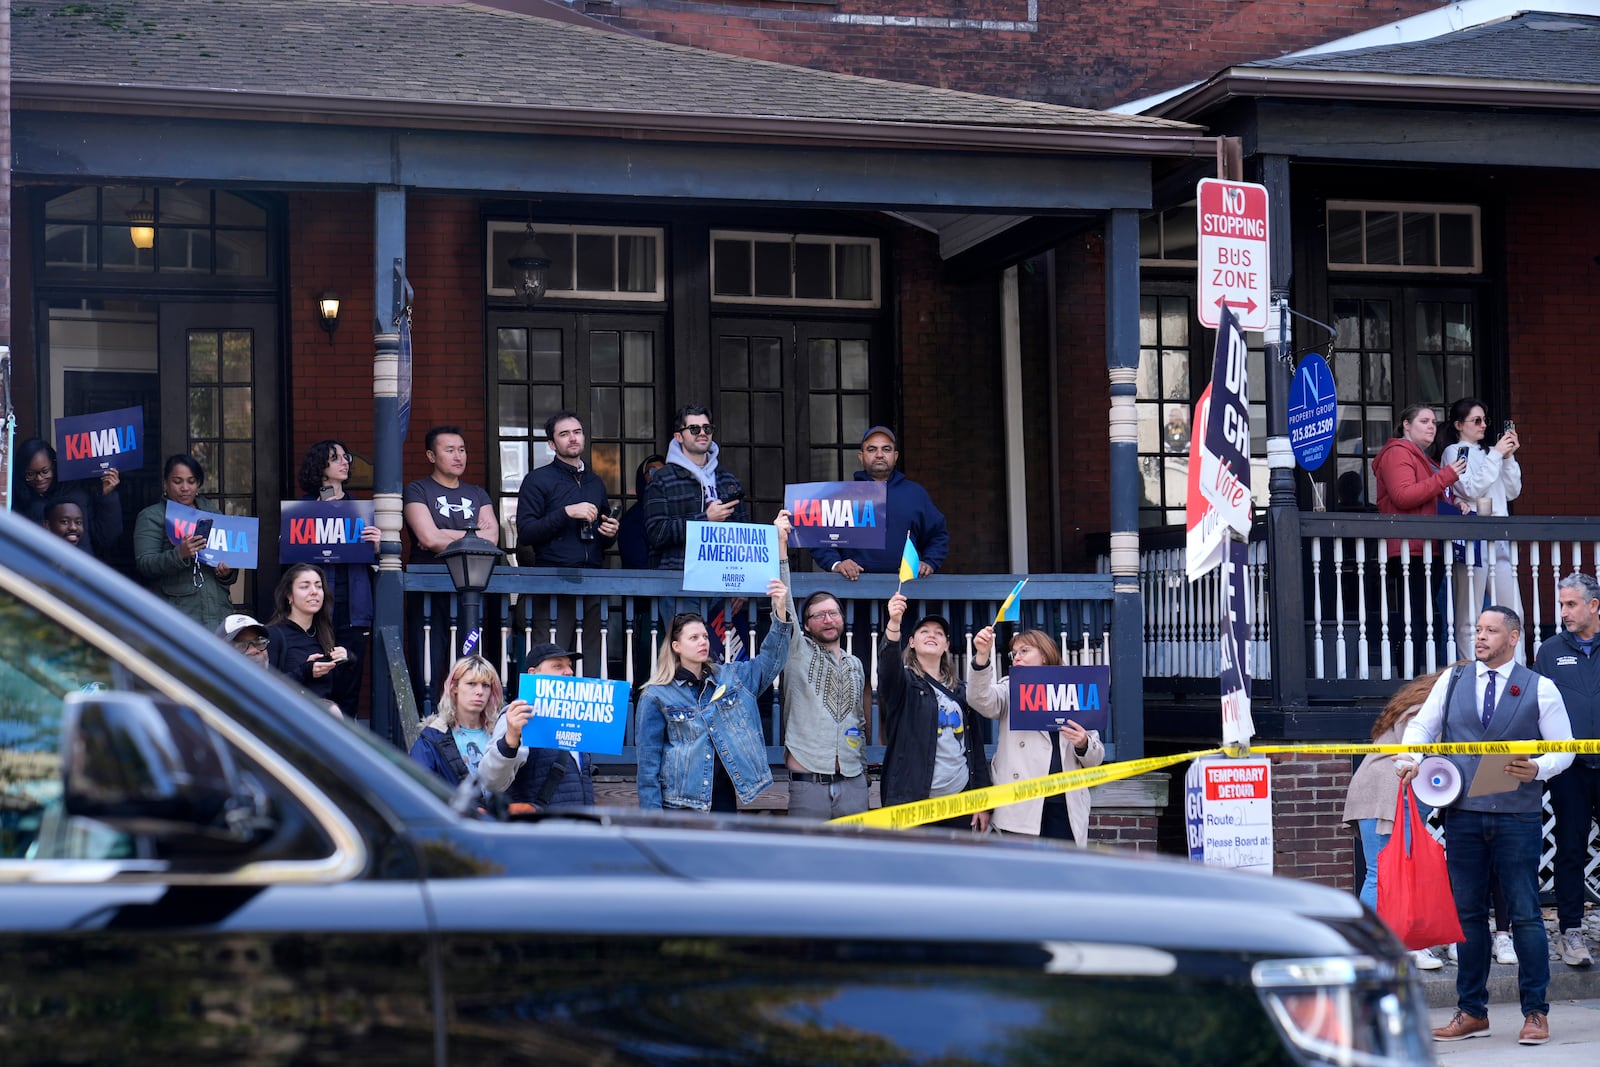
(254, 644)
(698, 428)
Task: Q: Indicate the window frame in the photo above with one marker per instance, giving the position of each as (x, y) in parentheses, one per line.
(1402, 208)
(574, 230)
(834, 241)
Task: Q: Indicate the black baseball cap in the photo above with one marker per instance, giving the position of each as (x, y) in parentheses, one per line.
(938, 620)
(549, 650)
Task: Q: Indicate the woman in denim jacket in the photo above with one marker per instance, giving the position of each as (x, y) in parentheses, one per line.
(700, 743)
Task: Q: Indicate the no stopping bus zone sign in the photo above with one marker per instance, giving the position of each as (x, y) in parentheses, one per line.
(1232, 227)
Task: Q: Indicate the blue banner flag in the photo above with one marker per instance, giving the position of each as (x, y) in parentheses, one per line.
(325, 531)
(729, 558)
(90, 445)
(836, 514)
(1044, 698)
(576, 714)
(232, 539)
(1011, 607)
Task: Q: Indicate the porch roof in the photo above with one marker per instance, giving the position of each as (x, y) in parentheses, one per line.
(1522, 91)
(470, 66)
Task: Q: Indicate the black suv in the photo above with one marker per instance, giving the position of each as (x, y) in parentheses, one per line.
(199, 866)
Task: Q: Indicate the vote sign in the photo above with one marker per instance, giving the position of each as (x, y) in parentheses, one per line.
(1232, 227)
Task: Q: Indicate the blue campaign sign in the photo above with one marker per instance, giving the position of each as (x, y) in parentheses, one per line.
(576, 714)
(836, 514)
(1313, 412)
(729, 558)
(325, 531)
(232, 539)
(1044, 698)
(90, 445)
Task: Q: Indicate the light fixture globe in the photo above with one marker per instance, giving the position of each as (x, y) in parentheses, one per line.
(142, 224)
(529, 265)
(470, 561)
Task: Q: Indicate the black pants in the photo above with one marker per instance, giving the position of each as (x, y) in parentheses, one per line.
(1575, 799)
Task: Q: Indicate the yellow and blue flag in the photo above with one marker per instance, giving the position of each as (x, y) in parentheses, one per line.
(910, 562)
(1011, 607)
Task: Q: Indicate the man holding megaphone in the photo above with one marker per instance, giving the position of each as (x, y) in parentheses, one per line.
(1496, 699)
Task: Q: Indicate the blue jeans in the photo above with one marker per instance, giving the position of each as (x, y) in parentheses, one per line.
(1511, 841)
(1575, 799)
(1372, 843)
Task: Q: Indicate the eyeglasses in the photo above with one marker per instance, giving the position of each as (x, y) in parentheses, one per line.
(1477, 420)
(255, 644)
(36, 476)
(698, 428)
(830, 614)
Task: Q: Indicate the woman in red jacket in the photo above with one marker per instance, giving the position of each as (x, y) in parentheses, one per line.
(1410, 483)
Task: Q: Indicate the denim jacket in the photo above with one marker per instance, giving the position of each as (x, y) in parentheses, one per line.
(677, 731)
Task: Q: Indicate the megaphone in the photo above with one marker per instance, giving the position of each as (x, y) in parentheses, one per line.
(1438, 782)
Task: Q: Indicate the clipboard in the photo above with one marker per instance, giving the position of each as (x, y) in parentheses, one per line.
(1492, 777)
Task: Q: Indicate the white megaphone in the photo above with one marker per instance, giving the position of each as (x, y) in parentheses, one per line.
(1438, 782)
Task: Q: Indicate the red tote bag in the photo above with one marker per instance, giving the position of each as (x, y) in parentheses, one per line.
(1414, 896)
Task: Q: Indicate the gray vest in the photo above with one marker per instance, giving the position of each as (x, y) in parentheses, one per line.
(1516, 718)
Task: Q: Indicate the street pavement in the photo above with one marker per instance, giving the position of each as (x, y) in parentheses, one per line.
(1574, 1037)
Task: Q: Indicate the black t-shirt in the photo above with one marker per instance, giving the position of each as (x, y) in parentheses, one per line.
(452, 509)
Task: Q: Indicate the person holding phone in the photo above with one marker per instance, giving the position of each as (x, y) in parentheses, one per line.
(1484, 572)
(175, 572)
(323, 474)
(564, 519)
(300, 632)
(692, 487)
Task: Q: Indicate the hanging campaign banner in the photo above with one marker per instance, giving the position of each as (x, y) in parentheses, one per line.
(576, 714)
(1044, 698)
(836, 514)
(325, 531)
(729, 558)
(1225, 450)
(1204, 530)
(1237, 725)
(1313, 412)
(232, 538)
(90, 445)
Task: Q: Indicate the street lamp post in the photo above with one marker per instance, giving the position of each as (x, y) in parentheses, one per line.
(470, 561)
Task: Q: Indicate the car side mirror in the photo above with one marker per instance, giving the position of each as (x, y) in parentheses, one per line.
(154, 769)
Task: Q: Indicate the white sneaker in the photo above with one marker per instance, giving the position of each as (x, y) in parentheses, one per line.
(1453, 952)
(1504, 951)
(1425, 960)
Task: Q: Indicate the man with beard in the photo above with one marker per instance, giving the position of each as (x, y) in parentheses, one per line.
(564, 520)
(908, 509)
(824, 710)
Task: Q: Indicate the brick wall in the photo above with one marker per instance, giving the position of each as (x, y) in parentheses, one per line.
(1084, 395)
(950, 400)
(1552, 237)
(1309, 839)
(1087, 55)
(1137, 832)
(330, 387)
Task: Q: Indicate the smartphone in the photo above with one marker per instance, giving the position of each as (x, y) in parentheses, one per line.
(325, 491)
(733, 498)
(1507, 427)
(202, 529)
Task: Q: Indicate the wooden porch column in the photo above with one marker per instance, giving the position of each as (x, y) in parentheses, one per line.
(1286, 596)
(1122, 362)
(389, 248)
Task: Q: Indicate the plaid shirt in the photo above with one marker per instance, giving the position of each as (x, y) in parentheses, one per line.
(675, 497)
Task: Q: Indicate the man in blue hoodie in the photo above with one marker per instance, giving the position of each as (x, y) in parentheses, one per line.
(908, 509)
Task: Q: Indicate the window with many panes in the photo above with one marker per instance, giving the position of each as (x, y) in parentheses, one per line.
(779, 268)
(221, 414)
(586, 262)
(1380, 237)
(840, 402)
(607, 368)
(197, 232)
(1175, 356)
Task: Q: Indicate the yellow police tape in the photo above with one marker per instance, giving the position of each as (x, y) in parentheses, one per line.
(922, 812)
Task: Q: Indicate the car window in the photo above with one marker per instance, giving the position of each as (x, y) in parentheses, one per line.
(40, 663)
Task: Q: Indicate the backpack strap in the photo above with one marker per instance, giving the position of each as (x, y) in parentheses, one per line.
(452, 756)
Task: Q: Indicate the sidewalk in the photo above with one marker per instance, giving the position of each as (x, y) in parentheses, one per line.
(1566, 983)
(1574, 1036)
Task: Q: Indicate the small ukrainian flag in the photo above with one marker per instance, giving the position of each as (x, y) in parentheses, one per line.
(1011, 608)
(910, 562)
